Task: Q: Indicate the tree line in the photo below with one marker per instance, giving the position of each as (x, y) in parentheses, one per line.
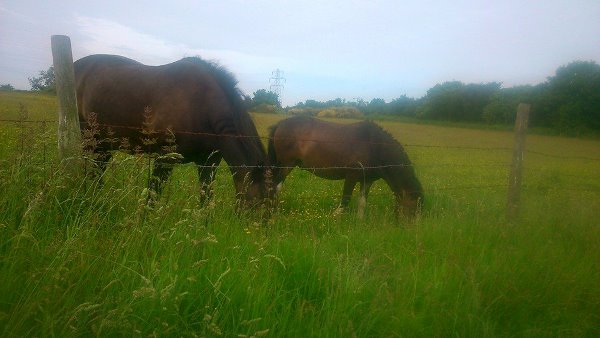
(567, 102)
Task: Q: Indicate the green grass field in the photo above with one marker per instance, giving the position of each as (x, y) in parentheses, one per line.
(89, 259)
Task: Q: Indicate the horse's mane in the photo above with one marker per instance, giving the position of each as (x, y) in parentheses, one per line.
(242, 121)
(387, 143)
(225, 79)
(390, 148)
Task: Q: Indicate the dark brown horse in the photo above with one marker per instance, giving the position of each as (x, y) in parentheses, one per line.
(196, 100)
(359, 152)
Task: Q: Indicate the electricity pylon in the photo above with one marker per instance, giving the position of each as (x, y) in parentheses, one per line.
(277, 80)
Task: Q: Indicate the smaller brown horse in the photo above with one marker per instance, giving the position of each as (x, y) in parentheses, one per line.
(359, 152)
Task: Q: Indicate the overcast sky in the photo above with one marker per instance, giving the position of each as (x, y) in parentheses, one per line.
(326, 49)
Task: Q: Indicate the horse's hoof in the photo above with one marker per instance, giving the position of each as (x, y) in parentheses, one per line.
(338, 212)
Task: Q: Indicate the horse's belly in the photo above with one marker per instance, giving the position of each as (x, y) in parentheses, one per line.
(327, 162)
(328, 173)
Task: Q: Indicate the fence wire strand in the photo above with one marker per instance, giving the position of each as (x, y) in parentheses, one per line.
(314, 169)
(266, 138)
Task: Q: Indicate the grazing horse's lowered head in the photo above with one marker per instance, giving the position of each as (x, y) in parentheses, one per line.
(357, 153)
(197, 101)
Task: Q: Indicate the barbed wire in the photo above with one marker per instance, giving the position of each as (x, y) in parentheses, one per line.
(428, 188)
(311, 169)
(267, 138)
(562, 156)
(27, 121)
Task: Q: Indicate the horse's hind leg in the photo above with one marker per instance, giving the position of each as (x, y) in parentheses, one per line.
(160, 173)
(97, 165)
(102, 160)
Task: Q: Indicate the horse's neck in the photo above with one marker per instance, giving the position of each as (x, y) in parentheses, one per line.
(402, 179)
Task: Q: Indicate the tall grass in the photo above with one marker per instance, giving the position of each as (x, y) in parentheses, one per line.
(92, 259)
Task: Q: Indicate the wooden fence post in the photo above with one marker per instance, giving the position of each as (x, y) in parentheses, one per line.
(514, 179)
(69, 134)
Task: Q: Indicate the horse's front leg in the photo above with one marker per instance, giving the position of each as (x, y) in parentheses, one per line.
(206, 175)
(349, 185)
(279, 176)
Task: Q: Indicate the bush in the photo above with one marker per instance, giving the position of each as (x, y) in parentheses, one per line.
(341, 112)
(304, 111)
(266, 108)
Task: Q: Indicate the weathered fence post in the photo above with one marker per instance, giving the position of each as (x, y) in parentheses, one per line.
(69, 134)
(514, 178)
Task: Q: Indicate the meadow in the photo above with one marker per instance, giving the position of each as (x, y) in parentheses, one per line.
(84, 258)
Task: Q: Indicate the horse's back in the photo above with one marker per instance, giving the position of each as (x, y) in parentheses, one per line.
(103, 75)
(318, 143)
(94, 69)
(119, 89)
(328, 134)
(101, 60)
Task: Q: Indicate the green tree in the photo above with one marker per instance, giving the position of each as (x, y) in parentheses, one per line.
(313, 104)
(475, 97)
(403, 106)
(45, 82)
(376, 106)
(337, 102)
(570, 101)
(502, 107)
(359, 104)
(264, 97)
(442, 102)
(455, 101)
(6, 87)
